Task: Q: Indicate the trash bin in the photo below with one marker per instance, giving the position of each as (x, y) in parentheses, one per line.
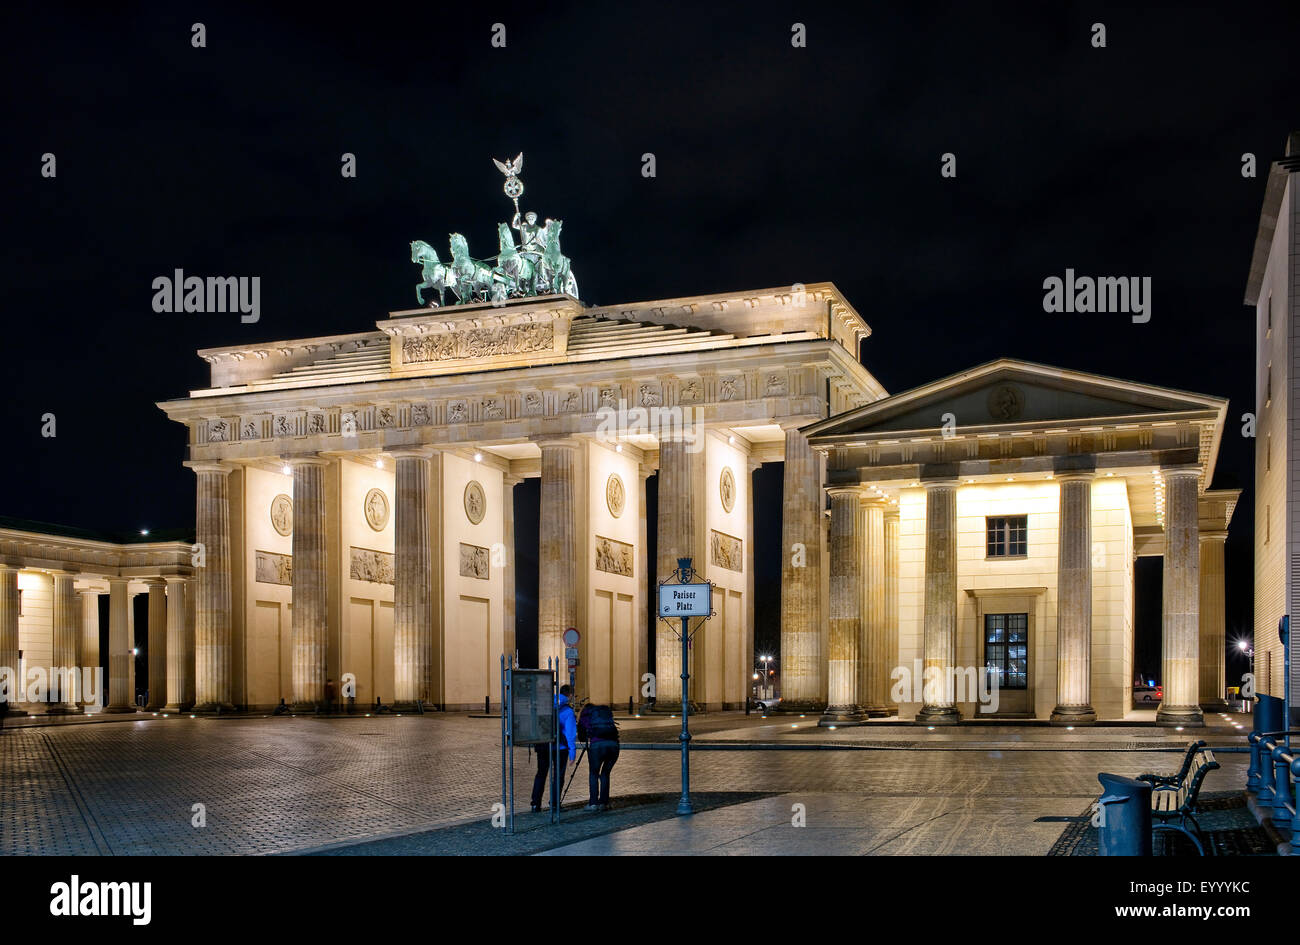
(1125, 820)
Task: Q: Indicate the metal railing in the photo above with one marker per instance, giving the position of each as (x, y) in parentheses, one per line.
(1274, 769)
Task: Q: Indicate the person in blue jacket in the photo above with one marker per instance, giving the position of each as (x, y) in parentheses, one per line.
(568, 724)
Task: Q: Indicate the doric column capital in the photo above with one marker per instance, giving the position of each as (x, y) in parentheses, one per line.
(939, 482)
(1181, 471)
(1074, 475)
(305, 459)
(118, 582)
(1212, 535)
(7, 566)
(553, 440)
(209, 466)
(843, 490)
(411, 452)
(175, 579)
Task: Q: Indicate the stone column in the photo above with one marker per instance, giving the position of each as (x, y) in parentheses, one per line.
(1182, 589)
(750, 627)
(644, 576)
(10, 683)
(90, 647)
(1074, 601)
(509, 643)
(309, 632)
(119, 647)
(676, 540)
(803, 683)
(1210, 647)
(412, 611)
(179, 645)
(157, 644)
(843, 667)
(872, 646)
(213, 598)
(890, 661)
(558, 563)
(940, 644)
(65, 666)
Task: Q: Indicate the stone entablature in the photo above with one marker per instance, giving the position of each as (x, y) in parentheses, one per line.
(725, 387)
(36, 551)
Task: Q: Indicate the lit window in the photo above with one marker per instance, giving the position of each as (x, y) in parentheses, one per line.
(1008, 536)
(1006, 650)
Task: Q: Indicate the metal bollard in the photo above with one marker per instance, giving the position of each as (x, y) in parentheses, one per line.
(1282, 795)
(1267, 718)
(1125, 828)
(487, 705)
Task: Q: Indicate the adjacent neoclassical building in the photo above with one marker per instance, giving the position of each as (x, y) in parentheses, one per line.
(1273, 291)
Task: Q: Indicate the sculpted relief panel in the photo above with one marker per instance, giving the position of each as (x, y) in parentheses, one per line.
(613, 556)
(478, 343)
(274, 568)
(373, 566)
(726, 551)
(473, 561)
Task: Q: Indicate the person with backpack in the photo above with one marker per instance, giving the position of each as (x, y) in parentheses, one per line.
(568, 742)
(598, 729)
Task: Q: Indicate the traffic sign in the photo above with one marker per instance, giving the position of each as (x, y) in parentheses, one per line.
(685, 600)
(571, 636)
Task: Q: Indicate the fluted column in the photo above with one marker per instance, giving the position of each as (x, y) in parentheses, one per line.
(119, 647)
(558, 566)
(871, 646)
(65, 668)
(213, 598)
(843, 668)
(1182, 589)
(1074, 601)
(10, 683)
(940, 603)
(509, 643)
(90, 649)
(803, 679)
(413, 612)
(750, 627)
(180, 646)
(157, 644)
(1210, 648)
(677, 507)
(890, 661)
(310, 643)
(642, 632)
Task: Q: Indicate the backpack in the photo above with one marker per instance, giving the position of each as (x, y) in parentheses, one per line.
(597, 723)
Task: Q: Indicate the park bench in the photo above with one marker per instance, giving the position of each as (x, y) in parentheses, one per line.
(1194, 749)
(1174, 797)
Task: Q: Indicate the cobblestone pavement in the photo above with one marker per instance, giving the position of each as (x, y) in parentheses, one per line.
(271, 785)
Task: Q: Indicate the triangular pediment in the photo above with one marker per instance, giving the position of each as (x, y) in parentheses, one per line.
(1015, 395)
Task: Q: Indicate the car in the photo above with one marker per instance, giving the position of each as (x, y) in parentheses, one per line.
(1148, 695)
(767, 705)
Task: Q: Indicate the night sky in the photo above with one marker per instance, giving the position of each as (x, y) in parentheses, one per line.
(774, 165)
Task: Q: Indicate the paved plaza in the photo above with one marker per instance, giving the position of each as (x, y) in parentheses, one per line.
(304, 784)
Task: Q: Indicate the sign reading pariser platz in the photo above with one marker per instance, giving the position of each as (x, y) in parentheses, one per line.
(685, 600)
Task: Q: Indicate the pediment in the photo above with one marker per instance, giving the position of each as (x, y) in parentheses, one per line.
(1015, 395)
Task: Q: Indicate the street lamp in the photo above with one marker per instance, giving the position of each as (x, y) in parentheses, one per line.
(767, 679)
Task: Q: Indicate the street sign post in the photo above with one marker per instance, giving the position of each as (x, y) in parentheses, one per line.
(571, 636)
(684, 600)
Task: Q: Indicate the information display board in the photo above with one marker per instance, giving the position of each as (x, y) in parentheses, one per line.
(532, 706)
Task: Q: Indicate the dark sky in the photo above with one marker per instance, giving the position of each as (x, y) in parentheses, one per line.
(775, 165)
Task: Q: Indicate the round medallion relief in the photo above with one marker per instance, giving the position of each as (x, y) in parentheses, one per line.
(615, 495)
(727, 489)
(475, 502)
(376, 509)
(1006, 402)
(282, 514)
